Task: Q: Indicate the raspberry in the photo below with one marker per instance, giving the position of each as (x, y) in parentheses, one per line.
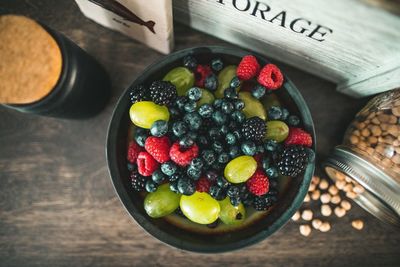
(163, 92)
(271, 77)
(298, 136)
(183, 157)
(258, 184)
(133, 151)
(201, 73)
(158, 147)
(248, 68)
(293, 160)
(203, 185)
(146, 164)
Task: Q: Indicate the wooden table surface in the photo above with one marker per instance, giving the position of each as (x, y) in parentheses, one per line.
(57, 203)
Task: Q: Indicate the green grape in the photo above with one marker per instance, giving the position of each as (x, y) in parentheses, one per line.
(182, 78)
(277, 130)
(161, 202)
(252, 106)
(224, 79)
(240, 169)
(200, 208)
(206, 98)
(270, 100)
(145, 113)
(230, 214)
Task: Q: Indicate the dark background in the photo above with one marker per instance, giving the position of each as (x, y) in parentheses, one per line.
(57, 203)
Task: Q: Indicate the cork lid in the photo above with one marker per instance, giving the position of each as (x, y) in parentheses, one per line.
(31, 60)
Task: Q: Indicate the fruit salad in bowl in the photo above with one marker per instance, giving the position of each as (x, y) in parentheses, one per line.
(211, 149)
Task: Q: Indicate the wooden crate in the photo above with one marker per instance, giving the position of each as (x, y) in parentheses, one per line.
(350, 42)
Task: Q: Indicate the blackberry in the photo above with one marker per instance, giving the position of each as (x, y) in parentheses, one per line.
(138, 181)
(138, 93)
(254, 129)
(292, 160)
(163, 92)
(262, 203)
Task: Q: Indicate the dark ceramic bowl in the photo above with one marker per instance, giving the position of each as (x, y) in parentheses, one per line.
(185, 238)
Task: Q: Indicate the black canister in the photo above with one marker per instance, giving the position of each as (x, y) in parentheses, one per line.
(83, 87)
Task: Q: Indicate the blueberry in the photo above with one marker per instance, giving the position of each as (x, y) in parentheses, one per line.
(190, 62)
(217, 192)
(237, 134)
(234, 151)
(202, 140)
(140, 137)
(130, 166)
(181, 101)
(249, 148)
(197, 163)
(271, 172)
(190, 106)
(274, 113)
(233, 191)
(260, 149)
(214, 133)
(179, 128)
(193, 120)
(227, 107)
(219, 117)
(186, 142)
(217, 103)
(230, 93)
(235, 82)
(186, 186)
(239, 104)
(222, 182)
(224, 129)
(266, 162)
(270, 145)
(193, 173)
(159, 128)
(235, 201)
(173, 186)
(158, 177)
(211, 82)
(285, 114)
(211, 175)
(174, 177)
(174, 112)
(151, 186)
(192, 135)
(233, 125)
(194, 93)
(217, 64)
(206, 110)
(230, 139)
(169, 168)
(217, 147)
(238, 116)
(208, 156)
(223, 158)
(293, 120)
(258, 91)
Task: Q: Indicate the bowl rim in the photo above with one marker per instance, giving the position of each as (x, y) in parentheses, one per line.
(142, 221)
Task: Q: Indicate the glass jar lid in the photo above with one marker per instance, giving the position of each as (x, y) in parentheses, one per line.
(380, 194)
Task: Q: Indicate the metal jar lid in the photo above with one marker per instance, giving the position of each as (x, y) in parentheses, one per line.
(381, 196)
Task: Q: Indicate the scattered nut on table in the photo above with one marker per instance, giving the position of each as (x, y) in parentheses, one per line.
(326, 210)
(346, 205)
(315, 195)
(339, 211)
(307, 215)
(357, 224)
(315, 179)
(296, 216)
(305, 230)
(316, 223)
(351, 195)
(312, 187)
(335, 199)
(323, 184)
(340, 184)
(307, 198)
(333, 190)
(325, 198)
(358, 189)
(325, 227)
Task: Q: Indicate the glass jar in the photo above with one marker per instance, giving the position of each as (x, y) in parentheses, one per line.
(367, 164)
